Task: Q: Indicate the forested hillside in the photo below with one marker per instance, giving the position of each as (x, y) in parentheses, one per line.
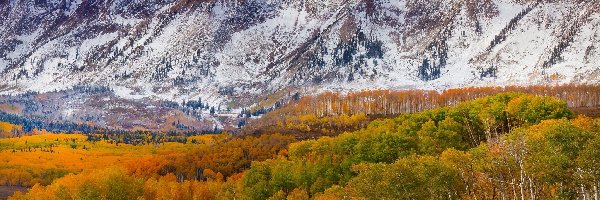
(505, 146)
(334, 113)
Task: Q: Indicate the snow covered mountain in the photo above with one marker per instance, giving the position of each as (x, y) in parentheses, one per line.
(244, 50)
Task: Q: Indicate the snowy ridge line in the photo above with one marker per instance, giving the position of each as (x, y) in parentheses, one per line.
(239, 52)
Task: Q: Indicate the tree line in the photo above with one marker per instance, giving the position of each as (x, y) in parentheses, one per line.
(333, 113)
(388, 102)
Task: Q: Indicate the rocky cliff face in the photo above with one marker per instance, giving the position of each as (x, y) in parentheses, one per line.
(237, 50)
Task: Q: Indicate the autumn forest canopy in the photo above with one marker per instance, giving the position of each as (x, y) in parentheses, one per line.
(535, 142)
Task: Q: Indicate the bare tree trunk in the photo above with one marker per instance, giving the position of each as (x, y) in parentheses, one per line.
(502, 188)
(531, 190)
(474, 186)
(596, 191)
(522, 181)
(513, 189)
(583, 192)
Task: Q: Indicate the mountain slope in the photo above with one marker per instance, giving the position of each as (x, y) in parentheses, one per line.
(229, 51)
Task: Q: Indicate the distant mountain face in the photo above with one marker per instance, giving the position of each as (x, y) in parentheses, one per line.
(243, 50)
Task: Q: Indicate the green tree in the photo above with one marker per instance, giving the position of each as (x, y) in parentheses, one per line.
(414, 177)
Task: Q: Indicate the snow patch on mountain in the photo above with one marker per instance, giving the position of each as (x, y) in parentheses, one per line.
(240, 52)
